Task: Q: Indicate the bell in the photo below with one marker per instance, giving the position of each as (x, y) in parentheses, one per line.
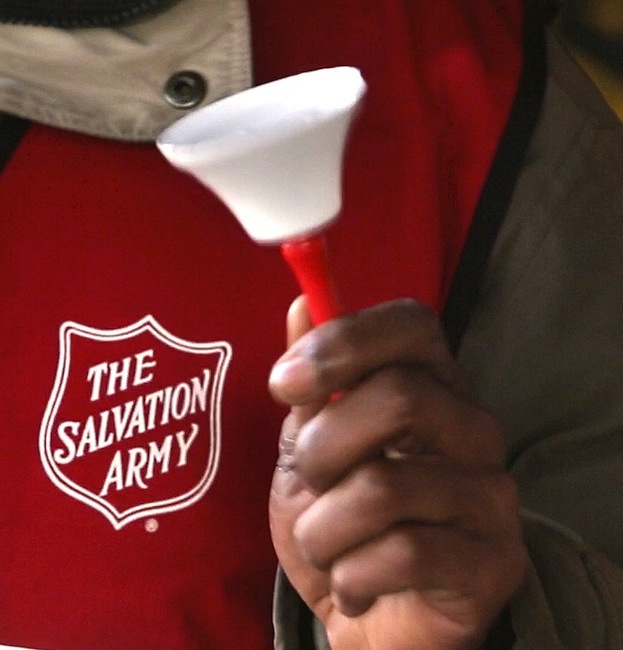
(273, 154)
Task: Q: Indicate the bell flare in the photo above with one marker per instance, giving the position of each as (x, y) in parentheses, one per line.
(274, 153)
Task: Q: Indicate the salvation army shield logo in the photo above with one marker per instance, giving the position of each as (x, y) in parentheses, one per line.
(133, 424)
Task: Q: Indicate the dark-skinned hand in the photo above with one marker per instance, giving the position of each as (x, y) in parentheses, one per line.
(391, 511)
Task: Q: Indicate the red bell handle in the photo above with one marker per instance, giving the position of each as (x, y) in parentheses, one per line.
(309, 262)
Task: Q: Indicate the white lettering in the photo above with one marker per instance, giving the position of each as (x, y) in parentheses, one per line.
(114, 476)
(166, 406)
(95, 375)
(141, 465)
(137, 465)
(67, 431)
(185, 445)
(88, 438)
(160, 455)
(105, 438)
(152, 400)
(141, 365)
(121, 419)
(119, 372)
(181, 401)
(137, 459)
(137, 421)
(200, 392)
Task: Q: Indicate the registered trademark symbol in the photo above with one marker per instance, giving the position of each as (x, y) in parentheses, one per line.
(151, 525)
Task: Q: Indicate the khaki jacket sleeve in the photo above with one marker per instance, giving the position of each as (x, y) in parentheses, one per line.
(573, 595)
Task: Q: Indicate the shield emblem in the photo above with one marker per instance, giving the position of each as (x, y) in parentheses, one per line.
(133, 424)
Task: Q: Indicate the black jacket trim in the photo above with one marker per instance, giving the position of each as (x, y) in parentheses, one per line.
(12, 129)
(498, 189)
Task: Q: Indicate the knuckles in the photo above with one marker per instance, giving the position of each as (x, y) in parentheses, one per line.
(400, 407)
(345, 348)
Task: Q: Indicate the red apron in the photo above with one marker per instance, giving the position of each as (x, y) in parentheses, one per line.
(139, 324)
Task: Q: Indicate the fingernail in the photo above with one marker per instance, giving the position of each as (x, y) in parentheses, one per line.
(292, 379)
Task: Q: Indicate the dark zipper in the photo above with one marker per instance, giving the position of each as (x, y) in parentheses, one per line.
(94, 17)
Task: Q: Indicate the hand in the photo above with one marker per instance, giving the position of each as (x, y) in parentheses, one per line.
(391, 511)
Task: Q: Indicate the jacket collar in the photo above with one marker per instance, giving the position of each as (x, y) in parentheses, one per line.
(110, 81)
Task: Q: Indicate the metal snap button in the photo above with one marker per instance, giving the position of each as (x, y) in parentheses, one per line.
(185, 89)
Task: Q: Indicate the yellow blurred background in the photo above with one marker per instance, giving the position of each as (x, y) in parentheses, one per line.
(604, 18)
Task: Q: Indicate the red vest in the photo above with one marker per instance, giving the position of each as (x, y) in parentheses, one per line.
(139, 324)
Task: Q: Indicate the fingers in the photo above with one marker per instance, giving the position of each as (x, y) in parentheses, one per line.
(400, 408)
(337, 355)
(442, 564)
(438, 530)
(425, 491)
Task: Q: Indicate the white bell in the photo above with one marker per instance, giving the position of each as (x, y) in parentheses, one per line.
(273, 153)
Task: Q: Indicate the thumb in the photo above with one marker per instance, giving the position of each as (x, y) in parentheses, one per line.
(298, 323)
(285, 378)
(298, 320)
